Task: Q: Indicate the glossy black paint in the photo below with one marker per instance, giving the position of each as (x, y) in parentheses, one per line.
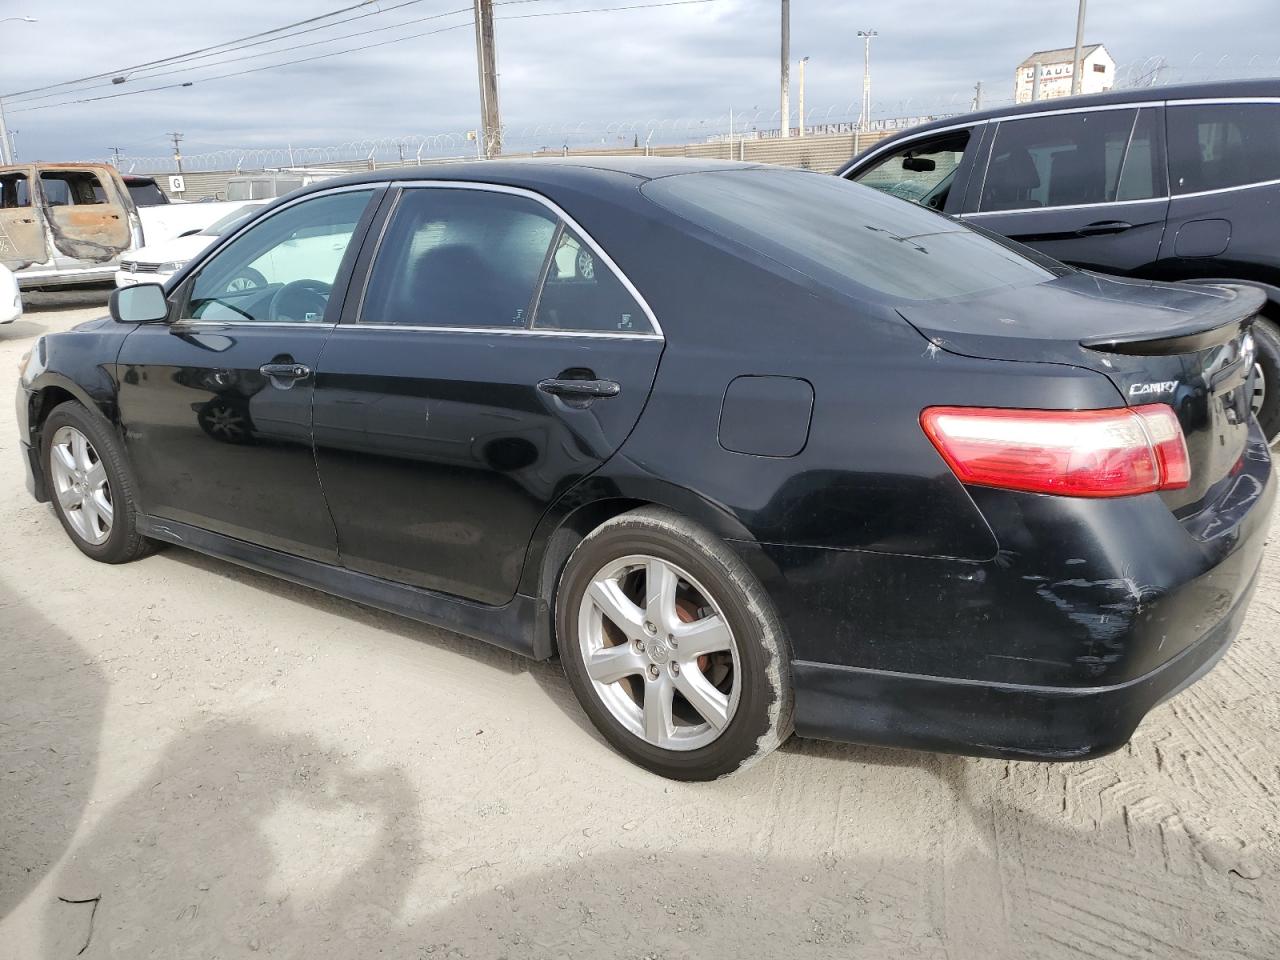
(438, 454)
(445, 485)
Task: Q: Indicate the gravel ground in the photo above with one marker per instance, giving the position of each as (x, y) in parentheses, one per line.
(199, 761)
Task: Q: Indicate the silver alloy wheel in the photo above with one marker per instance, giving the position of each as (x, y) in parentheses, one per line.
(240, 284)
(80, 484)
(666, 667)
(1259, 389)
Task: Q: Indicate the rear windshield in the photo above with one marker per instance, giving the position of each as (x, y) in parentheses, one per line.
(841, 233)
(145, 193)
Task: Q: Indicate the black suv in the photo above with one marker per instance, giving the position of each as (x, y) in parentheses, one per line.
(1175, 183)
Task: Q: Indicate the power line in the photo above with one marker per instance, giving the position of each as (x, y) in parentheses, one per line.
(240, 73)
(336, 53)
(191, 53)
(635, 6)
(266, 53)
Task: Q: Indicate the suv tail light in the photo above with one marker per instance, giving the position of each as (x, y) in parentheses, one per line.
(1075, 453)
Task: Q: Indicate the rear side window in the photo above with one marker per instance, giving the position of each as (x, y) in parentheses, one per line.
(71, 188)
(1061, 160)
(582, 293)
(459, 258)
(1217, 145)
(844, 235)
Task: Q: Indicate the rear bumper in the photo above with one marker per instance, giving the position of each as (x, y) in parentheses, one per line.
(1091, 613)
(1010, 721)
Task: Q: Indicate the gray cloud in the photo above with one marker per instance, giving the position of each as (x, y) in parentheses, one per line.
(690, 62)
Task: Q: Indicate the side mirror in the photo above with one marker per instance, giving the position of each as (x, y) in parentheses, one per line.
(144, 303)
(918, 164)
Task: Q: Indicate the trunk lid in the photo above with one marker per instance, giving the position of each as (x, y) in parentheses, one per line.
(1187, 346)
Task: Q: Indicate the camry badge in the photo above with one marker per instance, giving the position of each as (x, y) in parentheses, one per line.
(1162, 386)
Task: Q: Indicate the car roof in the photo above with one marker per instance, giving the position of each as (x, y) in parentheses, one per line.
(1186, 91)
(540, 172)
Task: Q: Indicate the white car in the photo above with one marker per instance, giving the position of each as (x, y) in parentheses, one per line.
(10, 298)
(157, 262)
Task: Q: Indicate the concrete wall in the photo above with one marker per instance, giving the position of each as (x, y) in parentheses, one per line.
(822, 153)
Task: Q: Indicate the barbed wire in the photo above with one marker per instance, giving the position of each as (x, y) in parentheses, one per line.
(749, 124)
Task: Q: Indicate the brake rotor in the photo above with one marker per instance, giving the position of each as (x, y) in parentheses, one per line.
(687, 611)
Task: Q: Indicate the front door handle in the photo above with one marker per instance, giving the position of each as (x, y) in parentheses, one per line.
(580, 388)
(1103, 227)
(285, 371)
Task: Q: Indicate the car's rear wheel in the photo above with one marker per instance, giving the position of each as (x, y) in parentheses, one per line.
(673, 648)
(90, 484)
(1266, 389)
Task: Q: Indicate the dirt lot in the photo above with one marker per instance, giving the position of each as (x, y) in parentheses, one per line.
(199, 761)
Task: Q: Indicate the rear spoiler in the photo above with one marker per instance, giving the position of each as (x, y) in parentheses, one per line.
(1221, 321)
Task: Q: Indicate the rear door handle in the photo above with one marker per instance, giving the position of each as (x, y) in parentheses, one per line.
(285, 371)
(580, 388)
(1103, 227)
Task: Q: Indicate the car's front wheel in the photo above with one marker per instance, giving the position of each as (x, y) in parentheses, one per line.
(673, 648)
(91, 486)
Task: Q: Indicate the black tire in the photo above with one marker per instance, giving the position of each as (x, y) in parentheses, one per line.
(1266, 341)
(123, 543)
(763, 718)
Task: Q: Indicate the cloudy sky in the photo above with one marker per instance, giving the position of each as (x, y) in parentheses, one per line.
(562, 77)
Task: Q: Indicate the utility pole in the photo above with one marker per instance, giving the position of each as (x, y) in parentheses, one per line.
(115, 157)
(864, 118)
(803, 61)
(177, 138)
(786, 68)
(1076, 65)
(486, 63)
(6, 145)
(6, 148)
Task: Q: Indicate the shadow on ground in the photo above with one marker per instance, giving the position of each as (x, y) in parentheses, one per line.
(241, 841)
(51, 706)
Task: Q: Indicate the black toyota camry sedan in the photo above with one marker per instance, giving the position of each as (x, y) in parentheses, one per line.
(752, 450)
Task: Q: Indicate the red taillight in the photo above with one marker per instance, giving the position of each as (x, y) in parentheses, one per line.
(1075, 453)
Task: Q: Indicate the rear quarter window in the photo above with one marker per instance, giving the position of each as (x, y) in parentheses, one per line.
(1213, 146)
(843, 234)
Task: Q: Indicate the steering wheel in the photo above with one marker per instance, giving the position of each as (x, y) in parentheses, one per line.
(300, 301)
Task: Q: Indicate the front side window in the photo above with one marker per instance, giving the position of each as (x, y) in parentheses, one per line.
(1213, 146)
(14, 191)
(1059, 160)
(922, 172)
(459, 258)
(283, 268)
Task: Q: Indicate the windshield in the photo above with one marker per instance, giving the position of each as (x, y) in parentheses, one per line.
(840, 233)
(233, 219)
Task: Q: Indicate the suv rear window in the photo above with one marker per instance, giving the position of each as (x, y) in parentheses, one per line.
(1218, 145)
(841, 233)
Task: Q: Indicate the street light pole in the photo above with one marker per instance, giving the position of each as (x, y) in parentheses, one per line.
(6, 147)
(864, 118)
(803, 61)
(1076, 65)
(786, 68)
